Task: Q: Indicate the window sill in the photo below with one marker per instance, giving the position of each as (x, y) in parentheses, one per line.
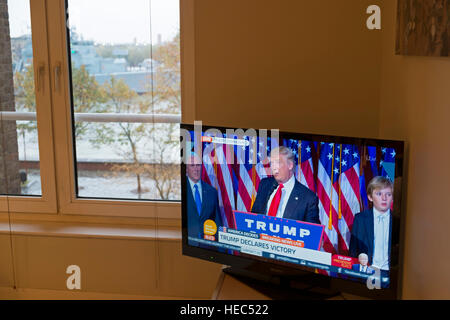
(90, 230)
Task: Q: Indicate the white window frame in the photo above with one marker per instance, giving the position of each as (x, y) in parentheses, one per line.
(47, 203)
(55, 124)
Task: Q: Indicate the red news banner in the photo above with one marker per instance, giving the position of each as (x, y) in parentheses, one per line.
(343, 261)
(289, 242)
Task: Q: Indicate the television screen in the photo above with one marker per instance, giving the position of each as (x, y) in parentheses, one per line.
(325, 204)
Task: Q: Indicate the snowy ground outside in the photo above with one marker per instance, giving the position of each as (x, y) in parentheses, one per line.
(86, 151)
(120, 185)
(101, 184)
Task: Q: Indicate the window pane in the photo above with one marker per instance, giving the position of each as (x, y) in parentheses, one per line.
(19, 141)
(109, 165)
(125, 60)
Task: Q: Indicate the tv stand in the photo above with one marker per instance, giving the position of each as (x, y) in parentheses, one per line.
(243, 284)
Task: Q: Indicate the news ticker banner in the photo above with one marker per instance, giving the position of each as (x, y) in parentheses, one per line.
(274, 238)
(286, 231)
(271, 237)
(239, 241)
(271, 247)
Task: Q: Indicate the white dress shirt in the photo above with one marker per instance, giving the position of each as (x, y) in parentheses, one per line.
(199, 186)
(285, 194)
(381, 223)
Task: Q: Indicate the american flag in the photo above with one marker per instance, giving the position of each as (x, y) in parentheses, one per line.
(378, 162)
(337, 173)
(252, 167)
(235, 171)
(218, 172)
(388, 163)
(304, 152)
(338, 189)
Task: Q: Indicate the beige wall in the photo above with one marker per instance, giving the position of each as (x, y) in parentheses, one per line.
(126, 268)
(313, 62)
(415, 106)
(333, 76)
(308, 66)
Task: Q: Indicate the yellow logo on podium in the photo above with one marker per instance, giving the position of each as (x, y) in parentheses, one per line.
(209, 227)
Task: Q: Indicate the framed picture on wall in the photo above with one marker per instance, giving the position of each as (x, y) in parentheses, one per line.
(423, 28)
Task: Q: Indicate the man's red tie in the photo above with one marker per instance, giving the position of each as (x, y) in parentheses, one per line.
(275, 202)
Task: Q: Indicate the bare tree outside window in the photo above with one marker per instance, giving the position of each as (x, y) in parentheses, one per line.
(126, 76)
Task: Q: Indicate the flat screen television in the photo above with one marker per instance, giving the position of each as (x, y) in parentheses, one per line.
(294, 211)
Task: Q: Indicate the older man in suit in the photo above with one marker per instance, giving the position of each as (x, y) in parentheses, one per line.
(282, 195)
(202, 199)
(363, 266)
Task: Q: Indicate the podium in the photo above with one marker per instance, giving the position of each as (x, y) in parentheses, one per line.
(280, 239)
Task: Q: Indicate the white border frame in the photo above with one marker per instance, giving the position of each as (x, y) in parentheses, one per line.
(47, 203)
(68, 203)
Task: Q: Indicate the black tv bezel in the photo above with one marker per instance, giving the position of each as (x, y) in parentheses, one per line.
(270, 267)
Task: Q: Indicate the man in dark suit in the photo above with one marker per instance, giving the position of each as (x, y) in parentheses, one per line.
(282, 195)
(373, 228)
(202, 200)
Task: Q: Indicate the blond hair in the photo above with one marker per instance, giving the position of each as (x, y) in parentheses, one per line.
(379, 183)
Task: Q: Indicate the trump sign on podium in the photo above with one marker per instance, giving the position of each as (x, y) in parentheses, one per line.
(271, 237)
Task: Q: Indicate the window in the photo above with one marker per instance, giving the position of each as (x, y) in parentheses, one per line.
(104, 125)
(19, 144)
(24, 103)
(126, 98)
